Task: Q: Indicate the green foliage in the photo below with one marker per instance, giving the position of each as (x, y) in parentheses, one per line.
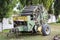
(47, 3)
(58, 20)
(57, 7)
(6, 7)
(35, 2)
(40, 1)
(50, 11)
(29, 2)
(23, 2)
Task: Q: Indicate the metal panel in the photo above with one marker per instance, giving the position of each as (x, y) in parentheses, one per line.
(20, 18)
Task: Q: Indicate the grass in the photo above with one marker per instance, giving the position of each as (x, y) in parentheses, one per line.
(55, 29)
(6, 30)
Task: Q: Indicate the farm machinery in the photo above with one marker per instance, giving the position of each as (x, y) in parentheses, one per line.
(32, 19)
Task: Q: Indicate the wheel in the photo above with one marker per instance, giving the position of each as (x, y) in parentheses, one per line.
(45, 29)
(11, 32)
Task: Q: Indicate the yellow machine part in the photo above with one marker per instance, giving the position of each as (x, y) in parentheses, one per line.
(20, 18)
(39, 29)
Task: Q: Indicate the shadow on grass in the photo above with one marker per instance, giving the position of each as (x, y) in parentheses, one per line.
(23, 35)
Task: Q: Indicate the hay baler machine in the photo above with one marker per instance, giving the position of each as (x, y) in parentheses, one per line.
(31, 19)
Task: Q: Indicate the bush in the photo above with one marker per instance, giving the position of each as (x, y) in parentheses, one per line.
(58, 20)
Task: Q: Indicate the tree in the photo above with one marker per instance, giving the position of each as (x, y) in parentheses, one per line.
(51, 9)
(57, 8)
(35, 2)
(23, 2)
(6, 7)
(46, 3)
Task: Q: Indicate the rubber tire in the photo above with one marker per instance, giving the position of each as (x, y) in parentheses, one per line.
(44, 32)
(10, 32)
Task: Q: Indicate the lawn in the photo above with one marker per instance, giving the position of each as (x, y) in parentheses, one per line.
(55, 29)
